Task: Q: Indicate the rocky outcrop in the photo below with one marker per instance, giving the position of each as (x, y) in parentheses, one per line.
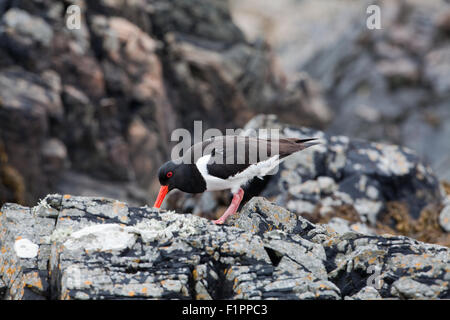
(102, 100)
(95, 248)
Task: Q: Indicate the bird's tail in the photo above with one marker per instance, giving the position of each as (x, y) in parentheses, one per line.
(289, 146)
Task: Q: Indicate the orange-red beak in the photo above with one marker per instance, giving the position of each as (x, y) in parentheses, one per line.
(162, 193)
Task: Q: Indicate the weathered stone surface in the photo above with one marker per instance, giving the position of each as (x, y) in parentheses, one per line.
(397, 267)
(95, 248)
(27, 103)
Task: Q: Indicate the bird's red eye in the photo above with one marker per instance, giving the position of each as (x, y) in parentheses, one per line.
(169, 174)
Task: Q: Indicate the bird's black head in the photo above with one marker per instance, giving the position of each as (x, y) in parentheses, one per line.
(169, 174)
(184, 177)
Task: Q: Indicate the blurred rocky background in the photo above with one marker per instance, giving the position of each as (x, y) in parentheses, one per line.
(91, 111)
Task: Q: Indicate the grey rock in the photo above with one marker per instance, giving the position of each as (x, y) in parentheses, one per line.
(27, 103)
(397, 267)
(266, 252)
(27, 26)
(366, 293)
(24, 276)
(342, 226)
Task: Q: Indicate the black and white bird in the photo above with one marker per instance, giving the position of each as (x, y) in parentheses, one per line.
(226, 162)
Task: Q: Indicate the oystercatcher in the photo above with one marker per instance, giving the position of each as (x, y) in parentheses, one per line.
(226, 162)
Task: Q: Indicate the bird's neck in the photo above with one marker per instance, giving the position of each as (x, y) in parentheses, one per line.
(191, 179)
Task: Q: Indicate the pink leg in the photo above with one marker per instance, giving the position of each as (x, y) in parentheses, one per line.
(234, 205)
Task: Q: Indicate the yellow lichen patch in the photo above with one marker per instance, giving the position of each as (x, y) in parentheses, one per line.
(372, 260)
(202, 296)
(418, 265)
(67, 196)
(195, 274)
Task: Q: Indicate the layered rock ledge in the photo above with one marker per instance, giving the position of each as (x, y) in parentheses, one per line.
(70, 247)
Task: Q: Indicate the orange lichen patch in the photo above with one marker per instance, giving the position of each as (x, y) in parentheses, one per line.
(10, 271)
(131, 293)
(195, 274)
(372, 260)
(88, 283)
(144, 290)
(18, 238)
(67, 196)
(3, 250)
(123, 218)
(322, 286)
(418, 265)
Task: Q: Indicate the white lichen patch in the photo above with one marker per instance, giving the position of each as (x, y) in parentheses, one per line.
(24, 248)
(390, 159)
(368, 209)
(300, 206)
(59, 235)
(170, 223)
(339, 158)
(326, 184)
(101, 237)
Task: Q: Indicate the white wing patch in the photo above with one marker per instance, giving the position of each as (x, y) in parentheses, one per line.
(259, 170)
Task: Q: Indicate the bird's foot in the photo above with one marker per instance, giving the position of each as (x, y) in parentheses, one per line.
(232, 209)
(219, 221)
